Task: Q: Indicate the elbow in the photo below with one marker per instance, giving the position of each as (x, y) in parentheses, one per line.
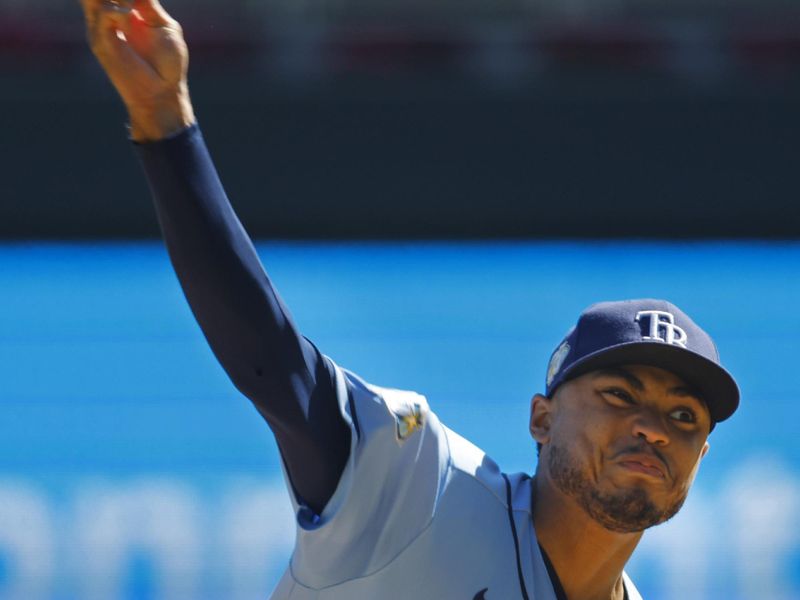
(274, 394)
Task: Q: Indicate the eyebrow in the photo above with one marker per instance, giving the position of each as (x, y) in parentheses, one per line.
(687, 392)
(635, 382)
(632, 380)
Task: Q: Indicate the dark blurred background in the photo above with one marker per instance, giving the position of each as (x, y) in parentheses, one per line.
(444, 119)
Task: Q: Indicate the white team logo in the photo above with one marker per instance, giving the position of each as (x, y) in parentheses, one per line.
(556, 361)
(663, 322)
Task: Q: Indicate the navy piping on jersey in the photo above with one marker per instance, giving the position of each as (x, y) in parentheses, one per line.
(556, 581)
(353, 413)
(554, 578)
(516, 539)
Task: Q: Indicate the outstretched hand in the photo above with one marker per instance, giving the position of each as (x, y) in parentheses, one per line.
(142, 50)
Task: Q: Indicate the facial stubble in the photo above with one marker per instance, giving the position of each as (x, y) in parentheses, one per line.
(625, 511)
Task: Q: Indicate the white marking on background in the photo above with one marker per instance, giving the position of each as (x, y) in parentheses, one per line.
(233, 540)
(158, 518)
(257, 536)
(764, 498)
(26, 542)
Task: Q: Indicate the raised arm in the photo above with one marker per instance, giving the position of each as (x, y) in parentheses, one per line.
(244, 320)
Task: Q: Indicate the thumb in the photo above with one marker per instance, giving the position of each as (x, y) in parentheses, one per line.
(152, 13)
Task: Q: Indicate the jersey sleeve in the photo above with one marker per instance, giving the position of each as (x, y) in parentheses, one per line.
(244, 320)
(388, 493)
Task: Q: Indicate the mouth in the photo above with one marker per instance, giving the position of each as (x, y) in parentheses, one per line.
(644, 464)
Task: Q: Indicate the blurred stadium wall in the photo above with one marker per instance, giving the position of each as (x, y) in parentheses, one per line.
(413, 119)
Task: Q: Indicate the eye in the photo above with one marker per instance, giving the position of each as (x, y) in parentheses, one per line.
(618, 397)
(684, 415)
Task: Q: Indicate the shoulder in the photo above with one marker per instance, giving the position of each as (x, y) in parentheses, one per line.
(511, 490)
(403, 415)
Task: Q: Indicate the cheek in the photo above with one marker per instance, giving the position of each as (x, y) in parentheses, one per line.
(600, 425)
(585, 433)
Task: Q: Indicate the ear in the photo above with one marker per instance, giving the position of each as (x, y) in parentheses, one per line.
(705, 450)
(541, 417)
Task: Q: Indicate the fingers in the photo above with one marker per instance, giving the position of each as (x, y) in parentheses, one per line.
(88, 12)
(106, 16)
(116, 15)
(93, 9)
(124, 66)
(152, 13)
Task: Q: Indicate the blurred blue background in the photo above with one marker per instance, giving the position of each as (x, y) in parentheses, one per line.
(131, 468)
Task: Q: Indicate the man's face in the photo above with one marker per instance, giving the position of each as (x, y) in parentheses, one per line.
(624, 443)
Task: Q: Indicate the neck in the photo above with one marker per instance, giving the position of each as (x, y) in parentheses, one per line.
(588, 558)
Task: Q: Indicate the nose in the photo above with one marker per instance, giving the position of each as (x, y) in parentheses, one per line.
(650, 427)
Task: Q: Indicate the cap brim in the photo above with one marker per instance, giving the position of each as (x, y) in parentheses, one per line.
(713, 382)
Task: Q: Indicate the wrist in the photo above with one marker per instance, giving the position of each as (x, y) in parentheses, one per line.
(161, 119)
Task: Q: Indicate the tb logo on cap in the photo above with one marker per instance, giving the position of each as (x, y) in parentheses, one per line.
(663, 322)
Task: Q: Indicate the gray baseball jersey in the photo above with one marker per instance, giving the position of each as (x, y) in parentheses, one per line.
(419, 512)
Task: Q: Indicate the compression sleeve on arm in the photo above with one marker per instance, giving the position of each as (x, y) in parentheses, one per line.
(244, 320)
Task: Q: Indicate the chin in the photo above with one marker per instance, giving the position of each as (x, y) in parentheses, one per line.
(630, 510)
(628, 504)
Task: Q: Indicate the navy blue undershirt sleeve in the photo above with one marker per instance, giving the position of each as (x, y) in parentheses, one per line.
(244, 320)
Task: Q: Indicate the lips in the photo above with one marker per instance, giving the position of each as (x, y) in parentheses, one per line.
(645, 464)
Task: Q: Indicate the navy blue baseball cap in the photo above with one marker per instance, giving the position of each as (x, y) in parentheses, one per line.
(645, 332)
